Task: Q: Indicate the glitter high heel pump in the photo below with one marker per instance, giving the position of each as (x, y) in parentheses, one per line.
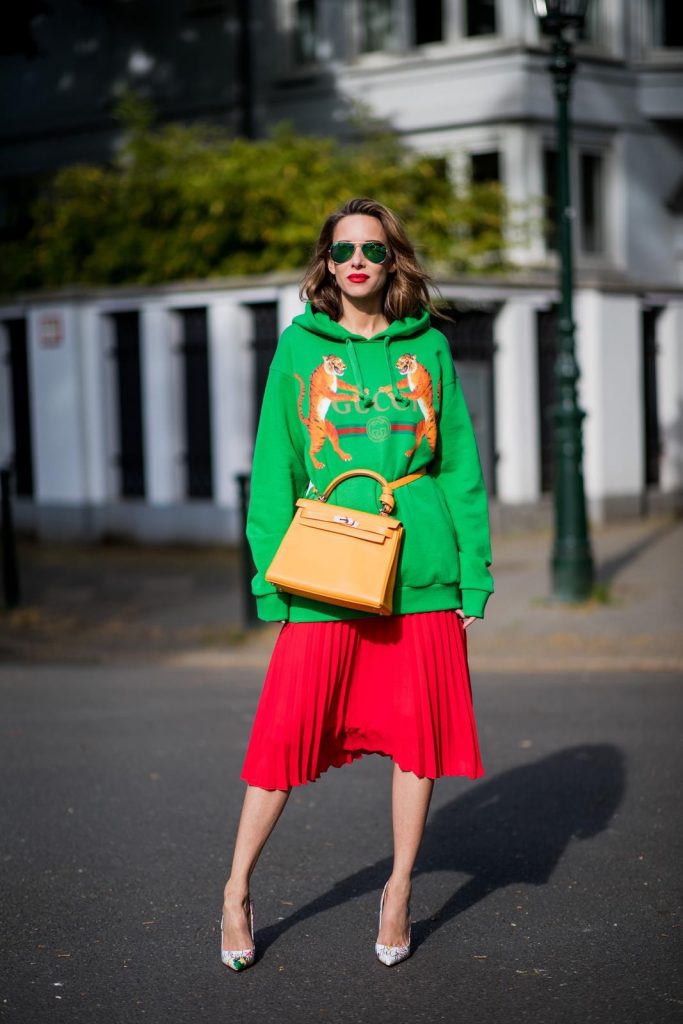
(240, 959)
(391, 955)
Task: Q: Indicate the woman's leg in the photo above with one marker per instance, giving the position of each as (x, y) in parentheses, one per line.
(410, 803)
(260, 812)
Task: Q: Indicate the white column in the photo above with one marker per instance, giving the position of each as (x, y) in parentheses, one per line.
(92, 389)
(231, 362)
(515, 21)
(56, 406)
(403, 25)
(609, 352)
(161, 405)
(289, 305)
(516, 403)
(454, 20)
(522, 179)
(670, 395)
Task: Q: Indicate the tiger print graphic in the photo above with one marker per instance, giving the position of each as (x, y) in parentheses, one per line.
(325, 386)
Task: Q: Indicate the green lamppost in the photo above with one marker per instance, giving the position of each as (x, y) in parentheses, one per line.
(572, 563)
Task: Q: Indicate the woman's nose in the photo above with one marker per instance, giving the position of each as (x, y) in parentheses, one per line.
(358, 259)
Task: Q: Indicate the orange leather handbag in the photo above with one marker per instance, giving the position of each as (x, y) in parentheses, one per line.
(340, 555)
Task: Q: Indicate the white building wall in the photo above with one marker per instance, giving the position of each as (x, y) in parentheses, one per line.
(516, 403)
(652, 170)
(58, 422)
(231, 382)
(670, 395)
(73, 400)
(609, 352)
(92, 378)
(161, 406)
(289, 306)
(522, 179)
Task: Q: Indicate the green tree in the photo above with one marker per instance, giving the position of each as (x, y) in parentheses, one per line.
(186, 202)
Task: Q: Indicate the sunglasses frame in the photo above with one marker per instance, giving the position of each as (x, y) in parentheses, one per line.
(362, 245)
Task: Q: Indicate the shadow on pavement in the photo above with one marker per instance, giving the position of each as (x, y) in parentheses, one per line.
(513, 828)
(609, 569)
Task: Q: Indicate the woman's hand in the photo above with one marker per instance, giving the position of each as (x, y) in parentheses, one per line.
(466, 620)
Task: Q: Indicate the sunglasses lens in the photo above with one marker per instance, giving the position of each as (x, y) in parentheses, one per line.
(375, 252)
(341, 251)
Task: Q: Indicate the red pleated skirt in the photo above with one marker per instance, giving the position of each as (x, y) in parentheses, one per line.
(334, 691)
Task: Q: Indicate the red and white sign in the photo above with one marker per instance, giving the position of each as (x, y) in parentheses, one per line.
(51, 330)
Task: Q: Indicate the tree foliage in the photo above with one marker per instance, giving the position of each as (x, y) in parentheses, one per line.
(186, 202)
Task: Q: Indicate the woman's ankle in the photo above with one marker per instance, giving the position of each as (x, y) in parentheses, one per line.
(236, 891)
(400, 885)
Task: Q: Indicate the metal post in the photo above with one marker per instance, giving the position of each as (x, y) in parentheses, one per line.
(246, 562)
(572, 562)
(10, 563)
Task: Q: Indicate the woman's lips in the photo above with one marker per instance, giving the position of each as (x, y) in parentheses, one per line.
(358, 278)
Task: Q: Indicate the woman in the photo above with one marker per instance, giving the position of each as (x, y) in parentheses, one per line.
(362, 381)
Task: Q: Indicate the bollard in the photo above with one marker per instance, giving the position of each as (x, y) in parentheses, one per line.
(248, 569)
(10, 564)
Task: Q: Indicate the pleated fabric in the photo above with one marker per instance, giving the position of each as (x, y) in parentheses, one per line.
(334, 691)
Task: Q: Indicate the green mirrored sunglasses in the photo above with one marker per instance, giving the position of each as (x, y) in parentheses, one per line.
(341, 252)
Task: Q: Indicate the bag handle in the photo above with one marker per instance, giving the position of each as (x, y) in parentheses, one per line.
(387, 502)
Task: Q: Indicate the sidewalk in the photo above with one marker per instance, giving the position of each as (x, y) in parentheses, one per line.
(182, 606)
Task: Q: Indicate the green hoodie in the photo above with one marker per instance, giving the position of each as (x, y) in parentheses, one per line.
(393, 403)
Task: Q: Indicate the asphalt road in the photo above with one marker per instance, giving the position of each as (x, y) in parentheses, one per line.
(547, 892)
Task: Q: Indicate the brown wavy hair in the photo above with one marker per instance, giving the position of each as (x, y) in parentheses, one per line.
(406, 292)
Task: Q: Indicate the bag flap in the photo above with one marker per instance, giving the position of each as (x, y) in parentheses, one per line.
(323, 512)
(344, 529)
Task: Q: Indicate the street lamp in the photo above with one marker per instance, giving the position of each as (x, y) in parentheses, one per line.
(572, 562)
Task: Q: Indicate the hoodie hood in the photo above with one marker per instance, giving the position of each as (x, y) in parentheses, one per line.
(321, 324)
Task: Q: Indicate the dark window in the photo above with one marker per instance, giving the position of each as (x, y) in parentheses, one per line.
(550, 194)
(428, 22)
(591, 204)
(305, 31)
(651, 415)
(265, 333)
(17, 196)
(377, 24)
(666, 23)
(470, 337)
(18, 24)
(195, 353)
(484, 167)
(21, 409)
(131, 458)
(485, 172)
(481, 17)
(439, 166)
(201, 8)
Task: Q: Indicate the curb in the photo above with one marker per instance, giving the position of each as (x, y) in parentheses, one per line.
(202, 660)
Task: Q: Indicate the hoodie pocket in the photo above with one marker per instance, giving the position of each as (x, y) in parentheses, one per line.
(429, 554)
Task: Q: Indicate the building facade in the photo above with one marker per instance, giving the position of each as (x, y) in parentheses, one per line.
(132, 411)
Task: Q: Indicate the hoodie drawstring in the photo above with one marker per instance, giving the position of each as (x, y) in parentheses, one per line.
(365, 400)
(401, 400)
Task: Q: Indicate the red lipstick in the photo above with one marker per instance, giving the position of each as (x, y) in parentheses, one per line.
(358, 278)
